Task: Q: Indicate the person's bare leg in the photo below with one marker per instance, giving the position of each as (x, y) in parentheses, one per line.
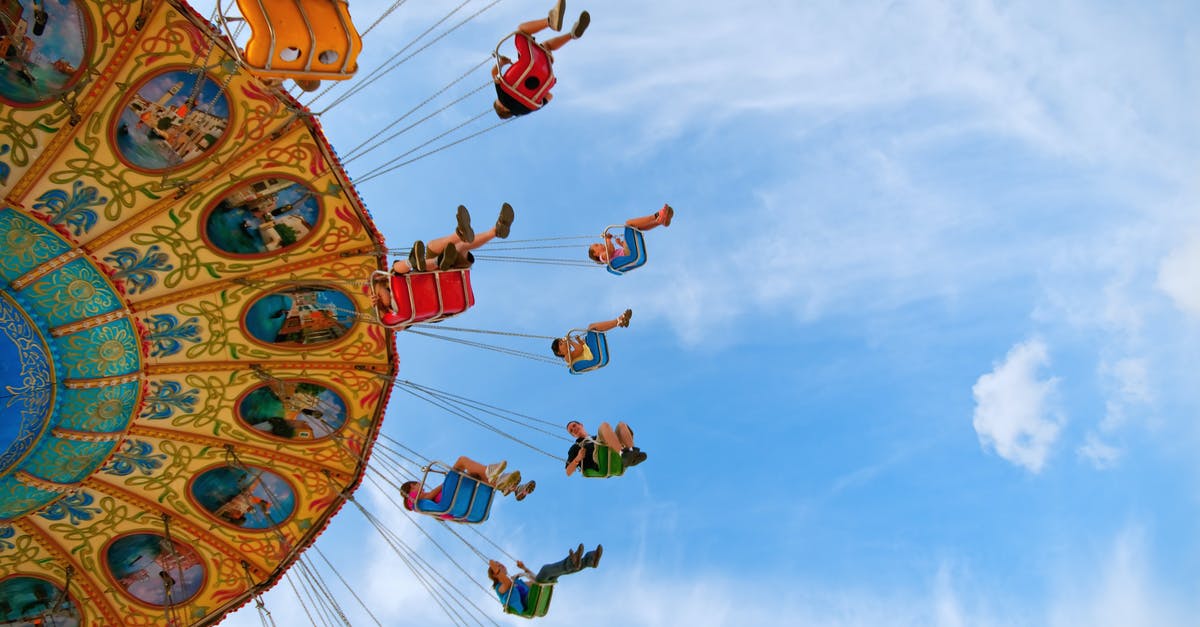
(609, 437)
(534, 26)
(554, 43)
(471, 467)
(608, 325)
(625, 435)
(436, 246)
(644, 223)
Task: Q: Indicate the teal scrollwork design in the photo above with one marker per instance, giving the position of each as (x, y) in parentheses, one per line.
(137, 270)
(75, 508)
(72, 292)
(6, 532)
(167, 397)
(135, 455)
(76, 211)
(106, 351)
(167, 334)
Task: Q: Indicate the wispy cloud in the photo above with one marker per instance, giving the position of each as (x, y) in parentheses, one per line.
(1014, 412)
(1179, 277)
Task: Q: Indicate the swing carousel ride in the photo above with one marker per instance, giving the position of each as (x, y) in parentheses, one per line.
(193, 368)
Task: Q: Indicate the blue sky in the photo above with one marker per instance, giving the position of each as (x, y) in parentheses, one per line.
(918, 349)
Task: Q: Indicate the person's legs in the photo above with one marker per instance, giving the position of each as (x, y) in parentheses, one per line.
(477, 470)
(609, 437)
(662, 217)
(554, 43)
(534, 26)
(625, 435)
(550, 573)
(608, 325)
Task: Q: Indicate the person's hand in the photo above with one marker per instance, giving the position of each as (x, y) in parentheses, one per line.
(521, 565)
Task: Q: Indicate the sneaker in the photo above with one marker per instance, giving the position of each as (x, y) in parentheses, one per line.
(576, 557)
(504, 222)
(494, 471)
(448, 257)
(623, 319)
(525, 490)
(581, 25)
(555, 18)
(509, 482)
(665, 214)
(464, 230)
(416, 257)
(596, 555)
(632, 457)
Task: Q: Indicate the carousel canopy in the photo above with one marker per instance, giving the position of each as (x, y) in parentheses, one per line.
(188, 385)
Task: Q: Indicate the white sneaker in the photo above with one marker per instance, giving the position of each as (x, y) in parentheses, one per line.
(494, 471)
(555, 18)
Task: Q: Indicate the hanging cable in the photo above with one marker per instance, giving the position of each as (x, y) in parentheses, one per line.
(492, 410)
(377, 74)
(471, 418)
(351, 154)
(420, 121)
(381, 18)
(300, 598)
(388, 167)
(445, 146)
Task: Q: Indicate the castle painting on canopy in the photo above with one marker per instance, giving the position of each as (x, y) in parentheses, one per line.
(294, 410)
(263, 216)
(300, 316)
(30, 602)
(250, 498)
(42, 48)
(146, 565)
(171, 119)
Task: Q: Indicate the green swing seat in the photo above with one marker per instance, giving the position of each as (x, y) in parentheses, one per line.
(609, 463)
(537, 602)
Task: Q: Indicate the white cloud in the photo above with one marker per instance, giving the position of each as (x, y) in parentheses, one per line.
(1120, 591)
(1099, 453)
(1014, 413)
(1179, 277)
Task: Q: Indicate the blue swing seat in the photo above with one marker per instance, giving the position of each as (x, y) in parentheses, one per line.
(464, 499)
(597, 343)
(635, 244)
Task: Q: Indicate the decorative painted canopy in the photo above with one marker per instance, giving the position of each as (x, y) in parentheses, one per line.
(186, 384)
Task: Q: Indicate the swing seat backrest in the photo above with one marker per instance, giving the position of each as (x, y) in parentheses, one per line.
(608, 462)
(471, 492)
(537, 602)
(481, 504)
(635, 243)
(428, 297)
(449, 491)
(531, 76)
(300, 39)
(597, 344)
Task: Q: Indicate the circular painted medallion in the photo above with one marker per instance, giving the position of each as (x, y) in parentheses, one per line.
(246, 497)
(146, 566)
(43, 49)
(293, 410)
(262, 217)
(27, 377)
(34, 601)
(171, 119)
(304, 315)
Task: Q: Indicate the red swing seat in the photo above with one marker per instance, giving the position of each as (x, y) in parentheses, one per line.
(427, 296)
(533, 62)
